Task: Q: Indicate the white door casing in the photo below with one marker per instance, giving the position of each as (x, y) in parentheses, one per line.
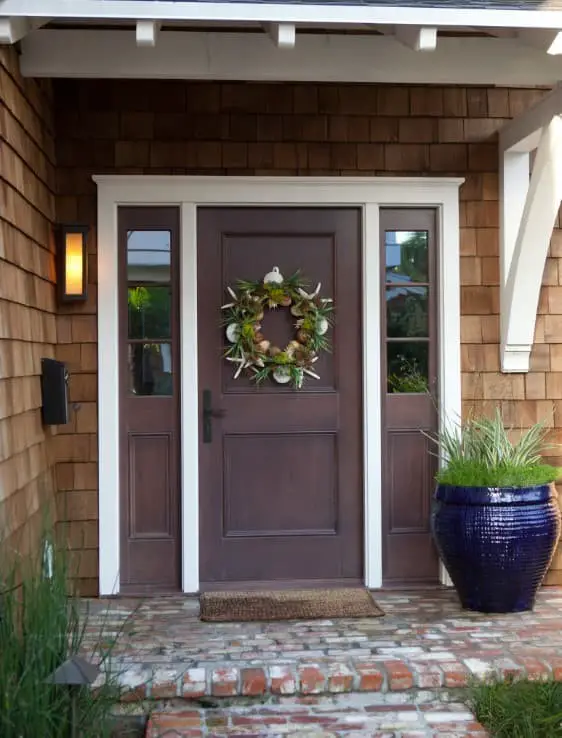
(367, 193)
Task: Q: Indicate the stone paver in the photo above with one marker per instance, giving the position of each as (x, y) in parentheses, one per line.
(345, 715)
(425, 641)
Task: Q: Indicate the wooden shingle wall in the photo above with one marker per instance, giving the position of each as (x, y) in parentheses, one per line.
(27, 302)
(173, 127)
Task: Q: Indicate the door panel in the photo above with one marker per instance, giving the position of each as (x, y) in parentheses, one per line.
(281, 483)
(409, 362)
(150, 399)
(308, 505)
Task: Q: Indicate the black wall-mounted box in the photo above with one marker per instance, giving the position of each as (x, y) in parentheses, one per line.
(54, 392)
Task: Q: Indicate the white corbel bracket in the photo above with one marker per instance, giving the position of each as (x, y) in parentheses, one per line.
(529, 207)
(416, 38)
(283, 35)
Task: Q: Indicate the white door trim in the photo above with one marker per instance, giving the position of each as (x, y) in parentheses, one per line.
(368, 193)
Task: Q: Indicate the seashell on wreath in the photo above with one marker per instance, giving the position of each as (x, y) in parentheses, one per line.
(282, 375)
(273, 277)
(233, 332)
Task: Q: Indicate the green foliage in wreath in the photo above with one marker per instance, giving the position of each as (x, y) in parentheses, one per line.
(252, 352)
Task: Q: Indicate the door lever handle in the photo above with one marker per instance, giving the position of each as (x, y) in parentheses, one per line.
(209, 412)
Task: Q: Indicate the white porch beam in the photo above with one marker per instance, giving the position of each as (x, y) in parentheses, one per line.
(523, 262)
(523, 133)
(418, 39)
(147, 32)
(14, 29)
(252, 56)
(283, 35)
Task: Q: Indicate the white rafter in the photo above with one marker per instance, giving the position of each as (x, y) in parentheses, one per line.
(549, 41)
(283, 35)
(416, 38)
(14, 29)
(556, 45)
(147, 32)
(529, 207)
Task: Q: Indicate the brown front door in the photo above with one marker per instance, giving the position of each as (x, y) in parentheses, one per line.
(409, 330)
(150, 399)
(281, 484)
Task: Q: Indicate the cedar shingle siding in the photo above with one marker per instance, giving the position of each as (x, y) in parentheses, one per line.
(27, 300)
(170, 127)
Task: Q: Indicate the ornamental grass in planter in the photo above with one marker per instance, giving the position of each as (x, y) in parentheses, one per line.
(495, 518)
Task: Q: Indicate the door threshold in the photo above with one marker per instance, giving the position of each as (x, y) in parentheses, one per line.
(241, 586)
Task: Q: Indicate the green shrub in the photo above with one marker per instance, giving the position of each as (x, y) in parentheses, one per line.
(519, 709)
(41, 627)
(480, 452)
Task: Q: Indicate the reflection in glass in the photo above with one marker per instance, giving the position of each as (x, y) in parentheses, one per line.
(150, 369)
(149, 312)
(407, 312)
(406, 256)
(148, 256)
(408, 367)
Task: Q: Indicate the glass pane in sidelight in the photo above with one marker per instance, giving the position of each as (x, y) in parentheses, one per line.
(407, 312)
(406, 256)
(407, 366)
(149, 312)
(148, 256)
(150, 369)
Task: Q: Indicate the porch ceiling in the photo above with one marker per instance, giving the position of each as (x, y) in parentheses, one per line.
(414, 24)
(517, 13)
(531, 23)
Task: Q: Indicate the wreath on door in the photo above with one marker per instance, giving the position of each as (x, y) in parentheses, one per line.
(250, 349)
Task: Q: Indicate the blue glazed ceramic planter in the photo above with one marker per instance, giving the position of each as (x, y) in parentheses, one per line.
(496, 543)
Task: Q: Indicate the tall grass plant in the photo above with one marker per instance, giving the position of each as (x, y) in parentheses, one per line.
(40, 627)
(481, 452)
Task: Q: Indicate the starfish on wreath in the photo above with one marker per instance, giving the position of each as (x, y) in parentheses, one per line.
(244, 362)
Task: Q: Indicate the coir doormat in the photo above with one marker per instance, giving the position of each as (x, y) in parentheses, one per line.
(292, 604)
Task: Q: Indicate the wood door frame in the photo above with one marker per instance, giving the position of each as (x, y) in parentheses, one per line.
(187, 193)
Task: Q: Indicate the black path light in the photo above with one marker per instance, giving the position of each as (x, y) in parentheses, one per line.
(74, 673)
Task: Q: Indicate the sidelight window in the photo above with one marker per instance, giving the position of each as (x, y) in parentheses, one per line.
(407, 291)
(149, 311)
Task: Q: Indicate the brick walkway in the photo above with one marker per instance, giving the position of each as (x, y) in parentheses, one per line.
(394, 676)
(425, 641)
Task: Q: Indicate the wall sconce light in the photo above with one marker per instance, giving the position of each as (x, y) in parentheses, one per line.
(72, 263)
